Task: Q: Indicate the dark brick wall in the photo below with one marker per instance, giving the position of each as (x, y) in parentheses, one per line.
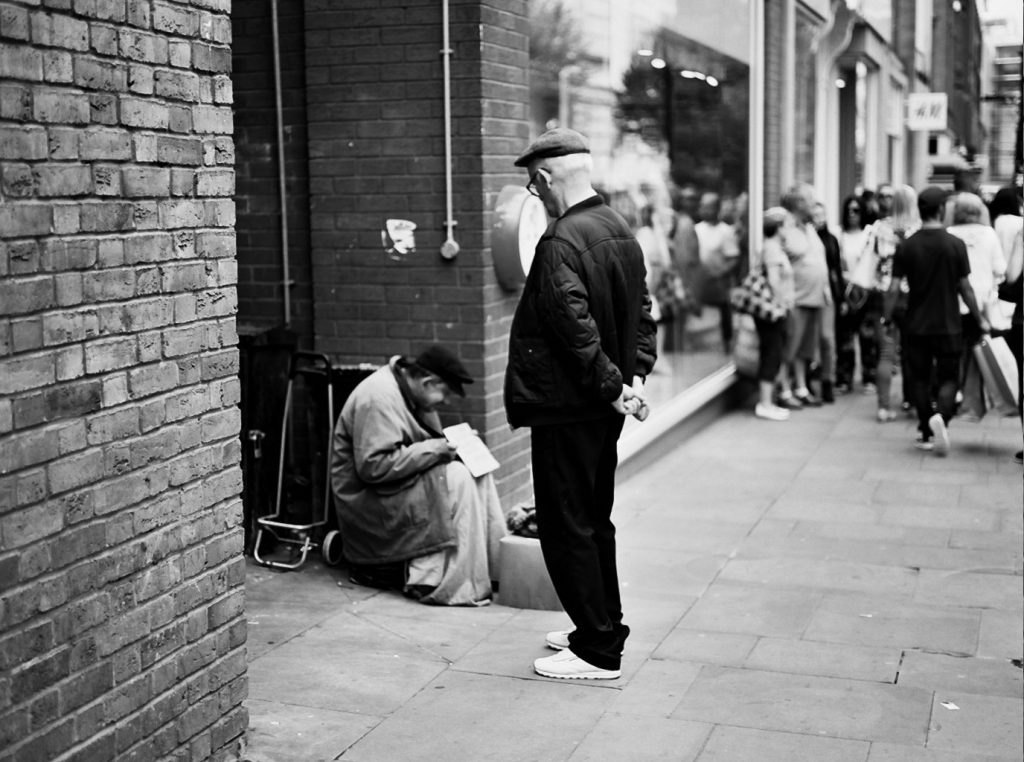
(121, 627)
(260, 269)
(375, 88)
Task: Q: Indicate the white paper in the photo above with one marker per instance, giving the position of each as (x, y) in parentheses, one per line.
(471, 449)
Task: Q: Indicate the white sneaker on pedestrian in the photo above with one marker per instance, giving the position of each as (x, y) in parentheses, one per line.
(771, 412)
(941, 435)
(565, 665)
(558, 639)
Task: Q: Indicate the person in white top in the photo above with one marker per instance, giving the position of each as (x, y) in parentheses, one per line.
(852, 237)
(984, 252)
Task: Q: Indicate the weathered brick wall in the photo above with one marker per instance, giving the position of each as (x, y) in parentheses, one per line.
(121, 627)
(376, 142)
(260, 272)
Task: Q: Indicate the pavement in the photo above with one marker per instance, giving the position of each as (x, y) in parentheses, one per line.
(815, 590)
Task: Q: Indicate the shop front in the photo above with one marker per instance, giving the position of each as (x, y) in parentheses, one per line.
(382, 141)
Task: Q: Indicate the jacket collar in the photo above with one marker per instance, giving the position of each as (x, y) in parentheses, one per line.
(586, 203)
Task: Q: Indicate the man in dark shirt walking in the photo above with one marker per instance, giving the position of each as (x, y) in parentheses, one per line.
(936, 267)
(582, 341)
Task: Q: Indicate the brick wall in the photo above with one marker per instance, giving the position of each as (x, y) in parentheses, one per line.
(376, 143)
(121, 627)
(260, 274)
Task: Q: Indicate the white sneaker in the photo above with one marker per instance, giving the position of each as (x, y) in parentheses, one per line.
(941, 434)
(558, 640)
(565, 665)
(771, 412)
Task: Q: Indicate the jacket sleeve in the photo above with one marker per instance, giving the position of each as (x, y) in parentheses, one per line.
(646, 339)
(383, 446)
(563, 305)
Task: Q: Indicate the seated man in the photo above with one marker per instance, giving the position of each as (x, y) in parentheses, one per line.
(400, 495)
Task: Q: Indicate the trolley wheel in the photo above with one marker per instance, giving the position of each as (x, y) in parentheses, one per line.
(331, 548)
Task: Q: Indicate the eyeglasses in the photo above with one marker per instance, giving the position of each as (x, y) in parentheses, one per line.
(854, 209)
(531, 186)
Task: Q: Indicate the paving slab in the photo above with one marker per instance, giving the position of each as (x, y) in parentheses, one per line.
(941, 672)
(473, 717)
(877, 621)
(721, 648)
(992, 588)
(888, 752)
(282, 732)
(739, 608)
(729, 744)
(805, 657)
(822, 575)
(981, 724)
(1000, 635)
(643, 739)
(817, 706)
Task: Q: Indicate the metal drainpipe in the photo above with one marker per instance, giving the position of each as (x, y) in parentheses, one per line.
(286, 282)
(450, 248)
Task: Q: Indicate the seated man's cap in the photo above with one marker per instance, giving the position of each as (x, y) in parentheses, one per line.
(446, 366)
(561, 141)
(932, 196)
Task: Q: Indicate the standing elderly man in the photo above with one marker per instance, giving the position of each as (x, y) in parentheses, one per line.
(581, 344)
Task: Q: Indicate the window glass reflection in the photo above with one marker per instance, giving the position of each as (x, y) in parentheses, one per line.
(662, 89)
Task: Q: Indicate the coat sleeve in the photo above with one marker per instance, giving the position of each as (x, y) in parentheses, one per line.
(563, 304)
(384, 446)
(646, 339)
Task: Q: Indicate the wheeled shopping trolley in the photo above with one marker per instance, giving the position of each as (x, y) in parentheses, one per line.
(303, 519)
(303, 492)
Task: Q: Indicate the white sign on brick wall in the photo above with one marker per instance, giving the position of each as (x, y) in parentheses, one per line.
(926, 111)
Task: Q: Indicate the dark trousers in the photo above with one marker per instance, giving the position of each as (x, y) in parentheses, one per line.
(772, 346)
(934, 360)
(574, 487)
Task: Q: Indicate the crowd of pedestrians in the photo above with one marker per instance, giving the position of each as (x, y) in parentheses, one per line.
(904, 288)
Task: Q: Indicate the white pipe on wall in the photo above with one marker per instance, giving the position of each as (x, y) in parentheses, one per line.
(286, 281)
(450, 248)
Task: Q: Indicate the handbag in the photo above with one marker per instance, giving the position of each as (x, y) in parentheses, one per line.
(754, 297)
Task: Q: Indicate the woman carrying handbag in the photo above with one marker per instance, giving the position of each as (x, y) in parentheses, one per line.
(772, 335)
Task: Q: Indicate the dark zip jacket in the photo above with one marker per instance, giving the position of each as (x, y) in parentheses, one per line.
(583, 327)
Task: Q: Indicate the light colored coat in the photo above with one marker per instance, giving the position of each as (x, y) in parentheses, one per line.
(389, 485)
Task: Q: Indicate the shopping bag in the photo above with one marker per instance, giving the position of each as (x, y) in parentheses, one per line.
(754, 297)
(999, 372)
(746, 348)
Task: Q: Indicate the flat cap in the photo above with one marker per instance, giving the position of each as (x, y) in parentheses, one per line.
(446, 366)
(561, 141)
(932, 197)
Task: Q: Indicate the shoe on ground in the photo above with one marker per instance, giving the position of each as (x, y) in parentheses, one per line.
(1019, 456)
(807, 399)
(924, 444)
(940, 434)
(558, 640)
(869, 388)
(789, 402)
(565, 665)
(842, 388)
(885, 416)
(771, 412)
